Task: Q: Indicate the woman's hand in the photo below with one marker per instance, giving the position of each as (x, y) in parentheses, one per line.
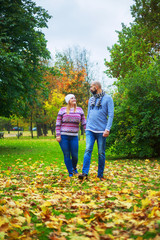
(58, 138)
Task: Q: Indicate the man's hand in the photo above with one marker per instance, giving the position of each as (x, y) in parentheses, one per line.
(58, 138)
(106, 133)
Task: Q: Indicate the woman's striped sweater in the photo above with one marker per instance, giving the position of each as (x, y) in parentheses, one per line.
(68, 124)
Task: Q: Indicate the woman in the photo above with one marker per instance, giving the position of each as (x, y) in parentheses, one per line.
(67, 127)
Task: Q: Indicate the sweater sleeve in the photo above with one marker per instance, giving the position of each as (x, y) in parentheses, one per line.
(58, 123)
(110, 113)
(83, 120)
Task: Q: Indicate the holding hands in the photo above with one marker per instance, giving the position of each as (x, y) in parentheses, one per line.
(58, 138)
(106, 133)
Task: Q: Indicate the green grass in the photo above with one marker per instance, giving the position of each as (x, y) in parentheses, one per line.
(46, 151)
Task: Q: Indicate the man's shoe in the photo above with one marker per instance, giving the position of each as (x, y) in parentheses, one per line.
(82, 176)
(101, 178)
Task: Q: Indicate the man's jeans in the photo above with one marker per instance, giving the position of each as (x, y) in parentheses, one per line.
(90, 140)
(69, 146)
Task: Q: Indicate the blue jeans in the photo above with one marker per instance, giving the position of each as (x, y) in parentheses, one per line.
(69, 146)
(90, 140)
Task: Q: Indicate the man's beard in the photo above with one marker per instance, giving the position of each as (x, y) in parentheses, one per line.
(94, 91)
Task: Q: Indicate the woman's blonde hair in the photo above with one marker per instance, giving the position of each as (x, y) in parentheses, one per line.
(69, 107)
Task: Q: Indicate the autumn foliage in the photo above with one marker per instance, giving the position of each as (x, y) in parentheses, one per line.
(74, 82)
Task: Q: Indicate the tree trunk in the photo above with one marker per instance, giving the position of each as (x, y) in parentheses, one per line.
(52, 129)
(31, 126)
(45, 129)
(18, 129)
(39, 131)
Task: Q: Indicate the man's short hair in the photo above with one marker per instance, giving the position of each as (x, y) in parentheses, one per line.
(97, 84)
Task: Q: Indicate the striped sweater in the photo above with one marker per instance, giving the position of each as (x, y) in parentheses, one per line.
(68, 124)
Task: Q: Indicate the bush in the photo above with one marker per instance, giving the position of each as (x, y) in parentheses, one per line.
(136, 126)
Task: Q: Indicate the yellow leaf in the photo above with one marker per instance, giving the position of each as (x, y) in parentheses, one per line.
(130, 184)
(46, 204)
(100, 230)
(80, 221)
(39, 224)
(90, 220)
(27, 216)
(110, 225)
(3, 209)
(145, 203)
(8, 183)
(119, 221)
(138, 195)
(152, 193)
(3, 220)
(15, 225)
(125, 190)
(15, 211)
(135, 208)
(136, 232)
(21, 219)
(157, 213)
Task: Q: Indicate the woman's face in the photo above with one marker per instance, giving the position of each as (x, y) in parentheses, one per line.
(72, 101)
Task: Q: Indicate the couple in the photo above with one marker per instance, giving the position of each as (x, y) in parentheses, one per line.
(99, 122)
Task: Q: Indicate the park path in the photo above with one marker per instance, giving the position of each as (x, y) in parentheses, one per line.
(9, 135)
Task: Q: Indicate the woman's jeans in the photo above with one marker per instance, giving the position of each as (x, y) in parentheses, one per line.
(69, 146)
(101, 142)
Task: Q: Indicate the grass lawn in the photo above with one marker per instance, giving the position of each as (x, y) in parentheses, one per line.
(39, 200)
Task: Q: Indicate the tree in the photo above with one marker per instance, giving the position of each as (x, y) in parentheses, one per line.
(5, 123)
(22, 47)
(52, 107)
(76, 73)
(36, 112)
(77, 58)
(74, 82)
(136, 65)
(138, 44)
(147, 13)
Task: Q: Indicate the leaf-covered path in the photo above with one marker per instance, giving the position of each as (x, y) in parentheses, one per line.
(40, 202)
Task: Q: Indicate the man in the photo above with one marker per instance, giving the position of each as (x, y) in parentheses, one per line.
(99, 122)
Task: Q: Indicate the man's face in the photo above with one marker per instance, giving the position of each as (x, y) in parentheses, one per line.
(93, 89)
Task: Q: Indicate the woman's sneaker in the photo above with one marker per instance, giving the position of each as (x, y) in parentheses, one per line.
(82, 176)
(75, 171)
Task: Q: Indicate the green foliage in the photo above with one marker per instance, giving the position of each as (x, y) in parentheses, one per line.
(22, 46)
(147, 13)
(4, 123)
(136, 127)
(54, 104)
(135, 62)
(137, 44)
(132, 50)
